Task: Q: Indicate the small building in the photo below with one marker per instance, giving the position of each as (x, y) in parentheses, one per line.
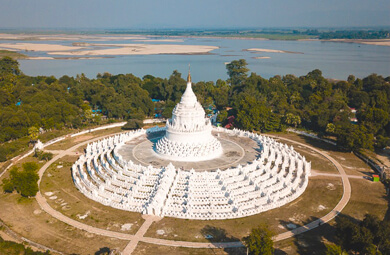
(375, 178)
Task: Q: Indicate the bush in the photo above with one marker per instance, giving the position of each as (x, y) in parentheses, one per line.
(133, 124)
(43, 155)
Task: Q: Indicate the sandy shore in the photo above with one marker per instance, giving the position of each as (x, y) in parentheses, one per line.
(379, 42)
(272, 51)
(37, 47)
(140, 49)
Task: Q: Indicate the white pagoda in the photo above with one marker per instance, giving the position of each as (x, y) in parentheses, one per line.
(188, 135)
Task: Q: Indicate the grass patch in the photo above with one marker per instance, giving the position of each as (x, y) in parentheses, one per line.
(71, 141)
(351, 163)
(70, 202)
(367, 197)
(318, 200)
(153, 249)
(27, 220)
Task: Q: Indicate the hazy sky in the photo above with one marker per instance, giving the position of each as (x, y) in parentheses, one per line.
(192, 14)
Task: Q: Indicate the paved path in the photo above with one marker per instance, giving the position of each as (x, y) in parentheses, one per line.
(139, 236)
(335, 211)
(315, 173)
(149, 219)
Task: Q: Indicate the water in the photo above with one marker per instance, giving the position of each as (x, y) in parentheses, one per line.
(335, 60)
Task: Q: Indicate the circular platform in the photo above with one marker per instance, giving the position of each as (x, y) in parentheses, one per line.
(236, 150)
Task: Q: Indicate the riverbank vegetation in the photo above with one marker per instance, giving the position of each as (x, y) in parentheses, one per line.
(12, 54)
(269, 33)
(355, 112)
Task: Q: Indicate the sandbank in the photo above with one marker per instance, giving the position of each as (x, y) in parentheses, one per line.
(37, 47)
(261, 57)
(140, 49)
(37, 58)
(48, 58)
(379, 42)
(272, 51)
(66, 37)
(159, 40)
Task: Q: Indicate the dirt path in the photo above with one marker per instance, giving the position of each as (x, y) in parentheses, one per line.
(335, 211)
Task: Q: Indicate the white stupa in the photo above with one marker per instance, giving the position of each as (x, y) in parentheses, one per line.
(188, 133)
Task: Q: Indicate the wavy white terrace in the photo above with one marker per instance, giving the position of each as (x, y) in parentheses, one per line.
(140, 49)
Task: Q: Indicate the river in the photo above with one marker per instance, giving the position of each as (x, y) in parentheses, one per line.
(335, 59)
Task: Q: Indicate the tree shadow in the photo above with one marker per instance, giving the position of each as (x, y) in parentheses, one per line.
(387, 214)
(103, 251)
(313, 241)
(319, 144)
(219, 235)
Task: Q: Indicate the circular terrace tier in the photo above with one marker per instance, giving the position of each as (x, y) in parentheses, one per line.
(277, 176)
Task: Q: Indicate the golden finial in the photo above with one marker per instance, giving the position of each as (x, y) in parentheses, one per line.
(189, 74)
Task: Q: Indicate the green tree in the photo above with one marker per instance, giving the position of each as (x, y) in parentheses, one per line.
(354, 137)
(333, 249)
(87, 112)
(259, 241)
(330, 128)
(291, 119)
(222, 116)
(252, 114)
(237, 71)
(33, 133)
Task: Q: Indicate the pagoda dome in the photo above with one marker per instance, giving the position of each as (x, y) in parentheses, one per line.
(189, 128)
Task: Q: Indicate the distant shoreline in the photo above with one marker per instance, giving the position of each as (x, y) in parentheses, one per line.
(168, 38)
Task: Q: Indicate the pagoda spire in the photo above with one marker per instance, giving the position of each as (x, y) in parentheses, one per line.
(189, 74)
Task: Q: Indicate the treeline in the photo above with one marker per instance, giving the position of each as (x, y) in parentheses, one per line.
(271, 33)
(311, 101)
(352, 34)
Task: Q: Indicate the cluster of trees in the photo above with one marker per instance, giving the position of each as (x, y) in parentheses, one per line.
(313, 102)
(370, 236)
(31, 105)
(24, 181)
(49, 103)
(12, 248)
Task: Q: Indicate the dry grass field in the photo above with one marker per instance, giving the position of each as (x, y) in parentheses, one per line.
(25, 217)
(61, 194)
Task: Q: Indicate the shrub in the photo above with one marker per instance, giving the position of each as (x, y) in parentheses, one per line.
(133, 124)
